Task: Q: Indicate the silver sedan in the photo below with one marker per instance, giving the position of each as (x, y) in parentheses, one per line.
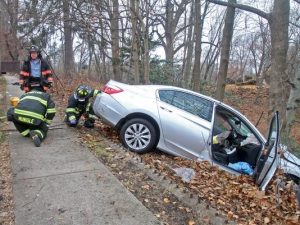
(187, 124)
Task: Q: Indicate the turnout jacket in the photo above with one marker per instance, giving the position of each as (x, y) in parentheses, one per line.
(76, 108)
(25, 74)
(34, 108)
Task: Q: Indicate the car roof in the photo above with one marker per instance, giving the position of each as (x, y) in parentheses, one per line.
(154, 87)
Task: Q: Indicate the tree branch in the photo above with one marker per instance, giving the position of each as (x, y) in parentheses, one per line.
(243, 7)
(294, 24)
(298, 1)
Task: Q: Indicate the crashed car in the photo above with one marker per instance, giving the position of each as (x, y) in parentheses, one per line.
(194, 126)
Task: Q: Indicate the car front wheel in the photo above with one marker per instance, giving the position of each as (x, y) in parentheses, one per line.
(138, 135)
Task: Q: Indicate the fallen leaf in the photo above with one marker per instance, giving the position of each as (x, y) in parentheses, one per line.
(267, 220)
(166, 200)
(206, 219)
(146, 187)
(191, 222)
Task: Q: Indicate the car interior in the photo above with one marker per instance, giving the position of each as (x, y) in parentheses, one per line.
(236, 142)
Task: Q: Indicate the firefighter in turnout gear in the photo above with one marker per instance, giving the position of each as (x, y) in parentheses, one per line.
(33, 114)
(35, 72)
(79, 105)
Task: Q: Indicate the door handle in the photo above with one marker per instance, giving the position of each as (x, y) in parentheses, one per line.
(163, 108)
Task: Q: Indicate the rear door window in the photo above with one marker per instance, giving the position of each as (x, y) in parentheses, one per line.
(188, 102)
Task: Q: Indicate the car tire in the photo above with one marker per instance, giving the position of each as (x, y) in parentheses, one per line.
(138, 135)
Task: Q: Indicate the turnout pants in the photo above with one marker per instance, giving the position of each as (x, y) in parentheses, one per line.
(24, 128)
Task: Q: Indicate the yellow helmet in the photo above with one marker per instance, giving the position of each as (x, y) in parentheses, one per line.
(14, 101)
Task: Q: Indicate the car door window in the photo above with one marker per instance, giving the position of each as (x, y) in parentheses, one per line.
(193, 104)
(166, 96)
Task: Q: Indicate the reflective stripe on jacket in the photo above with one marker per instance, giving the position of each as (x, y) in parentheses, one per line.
(25, 73)
(76, 107)
(35, 107)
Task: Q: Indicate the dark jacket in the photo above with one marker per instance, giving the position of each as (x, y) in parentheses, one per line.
(25, 75)
(35, 107)
(76, 107)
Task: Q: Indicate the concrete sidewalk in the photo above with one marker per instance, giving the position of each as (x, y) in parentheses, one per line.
(62, 183)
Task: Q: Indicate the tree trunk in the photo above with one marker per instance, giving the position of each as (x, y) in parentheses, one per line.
(293, 103)
(198, 39)
(225, 51)
(279, 23)
(9, 11)
(146, 56)
(115, 45)
(134, 45)
(169, 32)
(190, 48)
(68, 45)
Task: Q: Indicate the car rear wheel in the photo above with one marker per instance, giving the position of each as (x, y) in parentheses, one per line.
(138, 135)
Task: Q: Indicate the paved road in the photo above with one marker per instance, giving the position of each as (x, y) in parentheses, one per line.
(62, 183)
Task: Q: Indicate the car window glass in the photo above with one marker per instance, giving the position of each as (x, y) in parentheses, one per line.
(188, 102)
(166, 96)
(240, 126)
(221, 124)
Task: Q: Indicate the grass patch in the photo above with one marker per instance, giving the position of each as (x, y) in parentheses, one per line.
(100, 150)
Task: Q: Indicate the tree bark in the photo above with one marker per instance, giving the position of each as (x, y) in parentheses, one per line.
(115, 45)
(134, 46)
(198, 34)
(68, 45)
(293, 103)
(189, 51)
(279, 24)
(225, 51)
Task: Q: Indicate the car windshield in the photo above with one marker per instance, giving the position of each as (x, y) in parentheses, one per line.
(239, 126)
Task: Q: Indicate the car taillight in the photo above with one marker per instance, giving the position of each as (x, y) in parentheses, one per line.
(110, 90)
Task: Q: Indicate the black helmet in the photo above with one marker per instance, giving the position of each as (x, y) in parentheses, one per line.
(34, 48)
(82, 92)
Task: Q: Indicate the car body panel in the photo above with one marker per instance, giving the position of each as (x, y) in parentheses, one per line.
(177, 125)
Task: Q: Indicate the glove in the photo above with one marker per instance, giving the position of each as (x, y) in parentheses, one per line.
(220, 138)
(71, 121)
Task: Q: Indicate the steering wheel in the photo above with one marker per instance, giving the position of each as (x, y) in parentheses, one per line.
(233, 139)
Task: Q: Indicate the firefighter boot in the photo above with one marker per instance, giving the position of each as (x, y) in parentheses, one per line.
(36, 139)
(89, 123)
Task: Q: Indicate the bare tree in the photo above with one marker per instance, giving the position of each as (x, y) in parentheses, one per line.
(114, 15)
(225, 51)
(189, 47)
(68, 40)
(10, 37)
(134, 11)
(278, 20)
(198, 40)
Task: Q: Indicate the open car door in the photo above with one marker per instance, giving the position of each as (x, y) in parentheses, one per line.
(269, 159)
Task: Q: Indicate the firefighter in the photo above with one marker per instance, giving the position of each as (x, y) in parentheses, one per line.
(35, 72)
(33, 115)
(79, 105)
